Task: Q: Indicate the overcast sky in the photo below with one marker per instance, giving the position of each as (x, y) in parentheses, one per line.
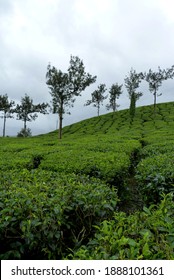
(110, 36)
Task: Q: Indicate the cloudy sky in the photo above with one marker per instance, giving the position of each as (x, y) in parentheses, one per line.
(110, 36)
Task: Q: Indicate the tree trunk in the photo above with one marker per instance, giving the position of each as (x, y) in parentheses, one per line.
(25, 125)
(60, 112)
(154, 102)
(98, 110)
(4, 125)
(60, 126)
(114, 109)
(132, 106)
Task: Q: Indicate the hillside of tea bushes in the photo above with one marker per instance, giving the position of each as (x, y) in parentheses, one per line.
(105, 191)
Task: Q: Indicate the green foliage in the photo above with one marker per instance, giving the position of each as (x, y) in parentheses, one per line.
(97, 97)
(27, 111)
(155, 80)
(143, 235)
(155, 175)
(132, 84)
(115, 92)
(58, 210)
(69, 194)
(65, 86)
(78, 78)
(95, 158)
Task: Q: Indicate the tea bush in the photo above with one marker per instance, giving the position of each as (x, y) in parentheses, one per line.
(107, 166)
(43, 214)
(55, 195)
(155, 175)
(139, 236)
(108, 159)
(157, 148)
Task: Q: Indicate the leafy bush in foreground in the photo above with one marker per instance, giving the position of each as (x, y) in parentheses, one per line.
(142, 235)
(155, 175)
(43, 214)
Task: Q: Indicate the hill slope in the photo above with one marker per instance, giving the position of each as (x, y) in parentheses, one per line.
(112, 123)
(57, 191)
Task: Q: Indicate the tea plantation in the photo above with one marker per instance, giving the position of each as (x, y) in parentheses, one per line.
(105, 191)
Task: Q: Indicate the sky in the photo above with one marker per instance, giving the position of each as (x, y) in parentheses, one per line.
(110, 36)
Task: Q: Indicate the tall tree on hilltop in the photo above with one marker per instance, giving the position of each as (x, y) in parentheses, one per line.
(6, 107)
(66, 86)
(115, 92)
(155, 80)
(28, 112)
(97, 97)
(132, 83)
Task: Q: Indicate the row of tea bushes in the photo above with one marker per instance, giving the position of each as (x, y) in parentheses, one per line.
(107, 166)
(43, 214)
(112, 123)
(146, 235)
(155, 172)
(107, 158)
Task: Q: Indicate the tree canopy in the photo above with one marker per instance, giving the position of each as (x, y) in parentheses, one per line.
(114, 94)
(155, 80)
(27, 111)
(97, 97)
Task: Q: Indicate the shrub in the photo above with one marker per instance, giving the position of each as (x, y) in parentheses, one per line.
(43, 214)
(155, 175)
(147, 235)
(24, 132)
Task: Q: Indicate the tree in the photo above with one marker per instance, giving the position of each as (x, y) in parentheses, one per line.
(28, 112)
(6, 107)
(132, 84)
(97, 97)
(66, 86)
(114, 92)
(155, 80)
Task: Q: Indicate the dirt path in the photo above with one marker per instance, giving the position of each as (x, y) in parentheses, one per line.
(133, 200)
